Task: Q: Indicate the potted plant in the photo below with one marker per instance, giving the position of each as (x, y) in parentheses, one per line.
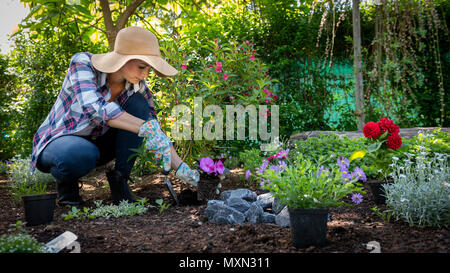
(383, 141)
(39, 208)
(309, 190)
(211, 173)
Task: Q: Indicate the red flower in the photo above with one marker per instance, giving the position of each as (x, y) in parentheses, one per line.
(388, 125)
(371, 130)
(394, 141)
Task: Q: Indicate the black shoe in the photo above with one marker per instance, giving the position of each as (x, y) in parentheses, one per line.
(119, 187)
(68, 194)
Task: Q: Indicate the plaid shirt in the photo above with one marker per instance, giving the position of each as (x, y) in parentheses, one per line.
(82, 106)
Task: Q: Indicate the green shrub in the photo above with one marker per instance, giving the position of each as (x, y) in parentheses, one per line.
(106, 211)
(251, 159)
(420, 194)
(20, 242)
(22, 183)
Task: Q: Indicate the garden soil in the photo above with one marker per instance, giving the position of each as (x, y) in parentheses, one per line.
(185, 229)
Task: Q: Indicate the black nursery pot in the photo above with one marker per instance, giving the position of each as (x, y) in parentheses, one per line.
(308, 226)
(39, 208)
(376, 187)
(206, 188)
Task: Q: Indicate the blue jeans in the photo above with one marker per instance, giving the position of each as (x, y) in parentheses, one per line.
(71, 157)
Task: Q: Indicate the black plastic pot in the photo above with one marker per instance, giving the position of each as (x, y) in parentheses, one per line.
(376, 187)
(39, 208)
(206, 188)
(308, 226)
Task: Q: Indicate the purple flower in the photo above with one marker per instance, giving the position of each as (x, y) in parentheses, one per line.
(343, 163)
(247, 174)
(282, 154)
(282, 166)
(276, 168)
(359, 173)
(262, 167)
(322, 170)
(357, 198)
(347, 177)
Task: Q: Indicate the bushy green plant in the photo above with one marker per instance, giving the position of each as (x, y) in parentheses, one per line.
(251, 159)
(436, 141)
(420, 194)
(106, 211)
(220, 73)
(20, 242)
(162, 205)
(303, 184)
(22, 183)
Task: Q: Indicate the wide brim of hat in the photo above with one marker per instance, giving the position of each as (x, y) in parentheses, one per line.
(111, 62)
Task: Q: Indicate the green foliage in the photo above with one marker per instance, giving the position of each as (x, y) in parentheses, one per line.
(145, 161)
(420, 192)
(251, 159)
(300, 185)
(162, 206)
(248, 83)
(22, 183)
(106, 211)
(20, 242)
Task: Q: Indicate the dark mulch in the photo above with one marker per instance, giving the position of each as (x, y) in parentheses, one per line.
(185, 228)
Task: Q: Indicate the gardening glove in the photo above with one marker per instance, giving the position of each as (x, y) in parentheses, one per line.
(157, 142)
(187, 174)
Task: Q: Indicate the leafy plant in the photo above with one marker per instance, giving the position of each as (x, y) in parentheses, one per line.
(251, 159)
(162, 206)
(106, 211)
(22, 182)
(384, 215)
(420, 192)
(302, 184)
(20, 242)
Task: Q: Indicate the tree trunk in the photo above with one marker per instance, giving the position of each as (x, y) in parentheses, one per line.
(111, 28)
(359, 92)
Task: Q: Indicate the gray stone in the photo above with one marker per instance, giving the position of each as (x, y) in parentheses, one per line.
(218, 212)
(277, 206)
(254, 213)
(265, 200)
(282, 218)
(238, 203)
(267, 217)
(242, 193)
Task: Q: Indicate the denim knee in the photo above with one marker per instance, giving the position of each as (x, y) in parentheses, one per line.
(69, 158)
(137, 105)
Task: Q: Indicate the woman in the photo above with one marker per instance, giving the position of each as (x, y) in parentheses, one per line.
(105, 109)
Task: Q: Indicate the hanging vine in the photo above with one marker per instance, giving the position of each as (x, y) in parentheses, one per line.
(406, 30)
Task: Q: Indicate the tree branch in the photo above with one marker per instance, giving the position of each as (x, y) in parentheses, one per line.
(127, 13)
(107, 15)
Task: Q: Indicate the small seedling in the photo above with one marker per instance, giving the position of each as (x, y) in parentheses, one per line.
(162, 206)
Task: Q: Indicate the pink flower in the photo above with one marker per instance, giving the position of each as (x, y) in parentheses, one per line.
(219, 64)
(183, 66)
(207, 165)
(252, 57)
(232, 98)
(218, 69)
(219, 167)
(225, 76)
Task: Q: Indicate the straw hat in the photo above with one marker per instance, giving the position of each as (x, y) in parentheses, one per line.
(133, 43)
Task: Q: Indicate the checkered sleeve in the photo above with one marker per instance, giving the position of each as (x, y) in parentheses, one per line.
(151, 103)
(83, 82)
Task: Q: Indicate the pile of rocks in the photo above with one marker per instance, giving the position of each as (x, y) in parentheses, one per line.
(240, 205)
